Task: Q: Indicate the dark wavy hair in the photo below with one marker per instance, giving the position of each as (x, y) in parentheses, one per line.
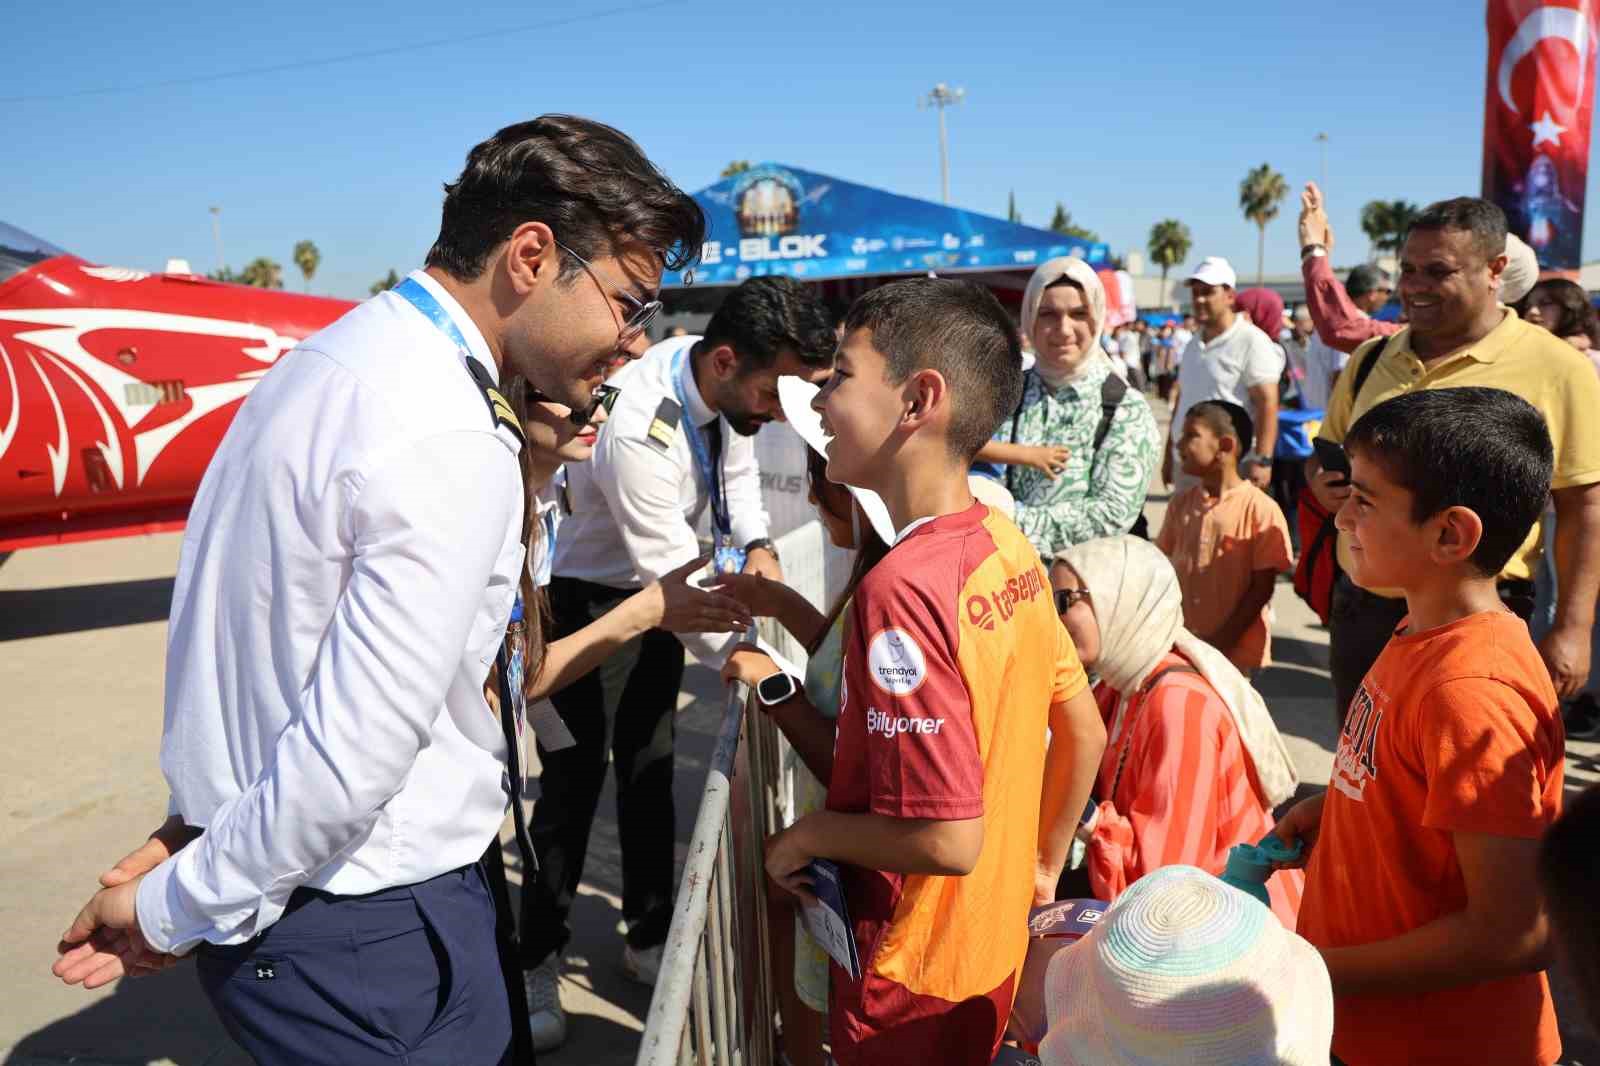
(1578, 316)
(590, 183)
(767, 316)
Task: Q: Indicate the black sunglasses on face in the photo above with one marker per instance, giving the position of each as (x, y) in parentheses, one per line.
(605, 398)
(1065, 598)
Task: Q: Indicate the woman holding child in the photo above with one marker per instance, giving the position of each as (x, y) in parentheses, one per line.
(1193, 763)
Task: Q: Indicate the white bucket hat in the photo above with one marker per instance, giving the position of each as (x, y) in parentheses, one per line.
(1185, 969)
(796, 394)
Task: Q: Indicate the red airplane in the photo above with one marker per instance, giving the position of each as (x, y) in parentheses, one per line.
(116, 386)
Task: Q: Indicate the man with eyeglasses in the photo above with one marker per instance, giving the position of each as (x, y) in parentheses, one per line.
(346, 576)
(677, 452)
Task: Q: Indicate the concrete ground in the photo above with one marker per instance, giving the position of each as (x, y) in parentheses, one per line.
(82, 634)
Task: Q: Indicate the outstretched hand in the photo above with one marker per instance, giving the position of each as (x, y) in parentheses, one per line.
(1314, 228)
(679, 607)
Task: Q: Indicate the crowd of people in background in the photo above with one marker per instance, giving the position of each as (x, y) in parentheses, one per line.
(1024, 703)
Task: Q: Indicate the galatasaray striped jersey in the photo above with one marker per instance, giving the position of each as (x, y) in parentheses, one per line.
(954, 658)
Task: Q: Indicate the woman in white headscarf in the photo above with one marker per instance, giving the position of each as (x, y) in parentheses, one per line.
(1081, 445)
(1193, 762)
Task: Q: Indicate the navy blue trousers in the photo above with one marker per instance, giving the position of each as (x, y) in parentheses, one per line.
(406, 975)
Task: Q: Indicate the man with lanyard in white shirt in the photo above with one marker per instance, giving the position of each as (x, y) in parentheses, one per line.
(346, 575)
(679, 443)
(1228, 359)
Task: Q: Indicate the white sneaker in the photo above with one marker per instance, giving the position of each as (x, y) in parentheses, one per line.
(642, 964)
(545, 1016)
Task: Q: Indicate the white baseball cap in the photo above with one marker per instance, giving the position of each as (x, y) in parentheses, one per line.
(795, 394)
(1214, 270)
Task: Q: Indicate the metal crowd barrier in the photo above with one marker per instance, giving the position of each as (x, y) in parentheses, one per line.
(714, 1004)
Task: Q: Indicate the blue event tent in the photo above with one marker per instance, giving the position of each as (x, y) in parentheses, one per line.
(775, 219)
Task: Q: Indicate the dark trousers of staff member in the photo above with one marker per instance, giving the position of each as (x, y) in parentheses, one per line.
(626, 706)
(406, 974)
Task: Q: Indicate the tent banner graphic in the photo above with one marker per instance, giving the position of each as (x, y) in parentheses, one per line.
(774, 219)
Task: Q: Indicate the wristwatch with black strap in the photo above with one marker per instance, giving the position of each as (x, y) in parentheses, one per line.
(765, 543)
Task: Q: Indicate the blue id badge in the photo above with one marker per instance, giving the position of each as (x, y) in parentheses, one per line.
(725, 558)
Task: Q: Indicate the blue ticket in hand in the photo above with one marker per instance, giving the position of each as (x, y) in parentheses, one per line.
(828, 919)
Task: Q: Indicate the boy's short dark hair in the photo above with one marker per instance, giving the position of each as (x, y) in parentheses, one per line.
(590, 183)
(1484, 449)
(1226, 419)
(766, 316)
(958, 329)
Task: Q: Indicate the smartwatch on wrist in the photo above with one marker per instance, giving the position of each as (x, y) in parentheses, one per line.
(775, 689)
(1250, 459)
(1315, 248)
(765, 544)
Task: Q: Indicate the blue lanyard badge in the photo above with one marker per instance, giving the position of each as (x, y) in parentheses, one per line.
(726, 558)
(414, 293)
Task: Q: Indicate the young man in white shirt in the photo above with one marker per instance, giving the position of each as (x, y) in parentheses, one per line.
(346, 576)
(679, 448)
(1228, 359)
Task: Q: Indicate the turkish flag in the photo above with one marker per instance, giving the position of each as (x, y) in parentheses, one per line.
(1538, 108)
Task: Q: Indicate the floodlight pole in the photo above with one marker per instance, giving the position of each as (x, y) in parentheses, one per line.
(216, 234)
(941, 97)
(1322, 143)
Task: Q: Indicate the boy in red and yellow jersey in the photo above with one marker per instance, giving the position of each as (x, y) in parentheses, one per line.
(948, 814)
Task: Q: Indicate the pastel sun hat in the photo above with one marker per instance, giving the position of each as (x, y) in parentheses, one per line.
(795, 394)
(1185, 969)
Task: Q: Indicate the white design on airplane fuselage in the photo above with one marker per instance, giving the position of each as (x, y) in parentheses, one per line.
(58, 451)
(60, 337)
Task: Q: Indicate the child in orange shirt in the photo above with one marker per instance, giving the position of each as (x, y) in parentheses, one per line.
(1420, 892)
(1226, 538)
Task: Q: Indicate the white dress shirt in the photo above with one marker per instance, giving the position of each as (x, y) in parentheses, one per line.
(345, 580)
(636, 503)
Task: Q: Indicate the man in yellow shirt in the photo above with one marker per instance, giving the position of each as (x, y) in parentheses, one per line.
(1459, 335)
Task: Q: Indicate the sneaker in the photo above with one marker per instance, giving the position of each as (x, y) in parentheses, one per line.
(1582, 719)
(642, 964)
(545, 1017)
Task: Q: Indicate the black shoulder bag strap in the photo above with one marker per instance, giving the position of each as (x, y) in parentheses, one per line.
(1364, 370)
(1016, 418)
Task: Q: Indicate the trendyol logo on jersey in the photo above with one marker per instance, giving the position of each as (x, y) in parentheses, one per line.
(891, 726)
(981, 608)
(895, 662)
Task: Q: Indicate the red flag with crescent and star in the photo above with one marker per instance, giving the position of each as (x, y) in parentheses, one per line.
(1540, 101)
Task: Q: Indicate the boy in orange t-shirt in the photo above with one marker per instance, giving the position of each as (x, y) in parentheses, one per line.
(1226, 538)
(1420, 892)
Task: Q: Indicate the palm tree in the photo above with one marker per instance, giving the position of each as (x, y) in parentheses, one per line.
(1062, 223)
(1260, 193)
(306, 257)
(263, 273)
(738, 166)
(384, 284)
(1169, 245)
(1386, 222)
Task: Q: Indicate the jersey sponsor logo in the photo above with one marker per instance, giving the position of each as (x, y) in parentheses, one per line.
(979, 613)
(1355, 763)
(891, 726)
(1003, 600)
(895, 662)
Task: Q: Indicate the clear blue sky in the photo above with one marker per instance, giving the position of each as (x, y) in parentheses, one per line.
(1127, 113)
